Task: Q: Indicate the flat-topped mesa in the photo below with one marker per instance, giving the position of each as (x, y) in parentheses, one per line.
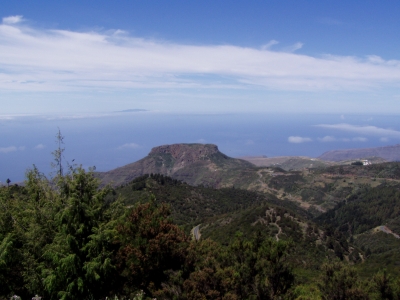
(193, 163)
(191, 152)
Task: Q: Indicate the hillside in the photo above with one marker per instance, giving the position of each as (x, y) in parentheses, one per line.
(316, 189)
(361, 222)
(193, 163)
(342, 214)
(389, 153)
(370, 219)
(221, 213)
(288, 163)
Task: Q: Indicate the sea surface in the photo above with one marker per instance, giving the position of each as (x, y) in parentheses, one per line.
(111, 140)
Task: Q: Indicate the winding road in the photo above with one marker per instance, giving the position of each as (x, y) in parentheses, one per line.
(196, 232)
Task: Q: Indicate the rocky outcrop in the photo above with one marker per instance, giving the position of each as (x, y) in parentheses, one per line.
(192, 163)
(190, 151)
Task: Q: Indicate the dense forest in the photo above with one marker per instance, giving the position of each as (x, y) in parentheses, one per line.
(67, 236)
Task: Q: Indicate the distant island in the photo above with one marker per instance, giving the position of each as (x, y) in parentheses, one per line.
(132, 110)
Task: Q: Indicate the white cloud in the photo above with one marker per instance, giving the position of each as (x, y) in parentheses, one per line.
(40, 147)
(8, 149)
(359, 139)
(363, 130)
(384, 139)
(11, 149)
(298, 139)
(12, 20)
(294, 47)
(128, 146)
(64, 60)
(269, 45)
(328, 138)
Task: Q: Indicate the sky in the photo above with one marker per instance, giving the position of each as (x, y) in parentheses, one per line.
(199, 56)
(254, 77)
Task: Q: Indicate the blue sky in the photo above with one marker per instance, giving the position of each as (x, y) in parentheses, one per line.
(254, 77)
(77, 57)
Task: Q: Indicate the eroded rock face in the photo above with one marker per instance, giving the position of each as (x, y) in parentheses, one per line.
(192, 163)
(190, 151)
(183, 155)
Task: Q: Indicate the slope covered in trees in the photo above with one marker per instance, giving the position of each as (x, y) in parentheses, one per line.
(67, 237)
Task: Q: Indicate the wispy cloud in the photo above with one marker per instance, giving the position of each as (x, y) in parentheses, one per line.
(128, 146)
(39, 147)
(363, 130)
(63, 60)
(12, 20)
(359, 139)
(11, 149)
(298, 139)
(8, 149)
(268, 45)
(294, 47)
(330, 138)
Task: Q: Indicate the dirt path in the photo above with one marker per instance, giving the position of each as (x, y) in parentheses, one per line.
(279, 231)
(268, 213)
(386, 229)
(196, 232)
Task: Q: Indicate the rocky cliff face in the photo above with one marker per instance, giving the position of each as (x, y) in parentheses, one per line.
(178, 156)
(192, 163)
(193, 151)
(389, 153)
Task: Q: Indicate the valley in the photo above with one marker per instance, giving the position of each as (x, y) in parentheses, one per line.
(286, 198)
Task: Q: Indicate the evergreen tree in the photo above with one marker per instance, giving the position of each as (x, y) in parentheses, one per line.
(78, 260)
(150, 244)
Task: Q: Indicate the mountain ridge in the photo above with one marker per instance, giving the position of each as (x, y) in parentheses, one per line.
(389, 153)
(193, 163)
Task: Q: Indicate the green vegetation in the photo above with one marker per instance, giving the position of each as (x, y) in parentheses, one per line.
(66, 237)
(370, 218)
